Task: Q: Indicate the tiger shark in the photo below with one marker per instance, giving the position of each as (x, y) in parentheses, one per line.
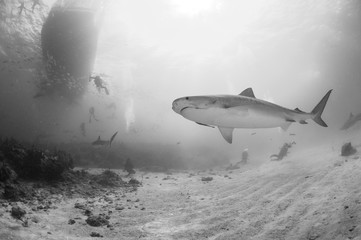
(100, 142)
(228, 112)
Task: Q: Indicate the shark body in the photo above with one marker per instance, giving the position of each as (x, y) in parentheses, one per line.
(228, 112)
(100, 142)
(352, 120)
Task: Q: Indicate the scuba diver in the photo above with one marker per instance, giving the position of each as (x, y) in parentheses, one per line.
(22, 7)
(99, 83)
(92, 114)
(244, 156)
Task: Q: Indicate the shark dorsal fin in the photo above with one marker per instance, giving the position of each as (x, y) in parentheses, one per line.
(226, 133)
(299, 110)
(351, 115)
(98, 138)
(248, 93)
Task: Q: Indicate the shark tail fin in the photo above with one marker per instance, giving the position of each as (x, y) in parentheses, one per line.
(317, 111)
(112, 138)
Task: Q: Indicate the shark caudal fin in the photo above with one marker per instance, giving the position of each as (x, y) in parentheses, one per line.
(317, 111)
(112, 138)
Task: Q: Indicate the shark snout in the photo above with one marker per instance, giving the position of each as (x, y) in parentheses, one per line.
(175, 106)
(178, 105)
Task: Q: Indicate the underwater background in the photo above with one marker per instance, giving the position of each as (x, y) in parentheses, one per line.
(151, 52)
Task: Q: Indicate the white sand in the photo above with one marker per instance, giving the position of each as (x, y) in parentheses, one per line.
(315, 195)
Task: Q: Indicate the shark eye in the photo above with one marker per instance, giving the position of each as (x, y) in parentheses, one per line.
(187, 98)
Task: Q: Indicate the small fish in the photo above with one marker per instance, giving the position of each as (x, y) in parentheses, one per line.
(228, 112)
(100, 142)
(254, 133)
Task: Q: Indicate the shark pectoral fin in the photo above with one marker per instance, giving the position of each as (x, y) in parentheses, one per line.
(248, 93)
(204, 124)
(226, 133)
(303, 122)
(285, 126)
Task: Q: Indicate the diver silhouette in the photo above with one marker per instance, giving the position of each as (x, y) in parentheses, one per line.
(22, 7)
(35, 2)
(99, 84)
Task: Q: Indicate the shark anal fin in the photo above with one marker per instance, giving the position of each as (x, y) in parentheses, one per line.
(204, 124)
(285, 126)
(248, 93)
(303, 122)
(226, 133)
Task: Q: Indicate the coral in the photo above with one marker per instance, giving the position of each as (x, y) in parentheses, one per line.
(16, 192)
(108, 178)
(6, 172)
(32, 163)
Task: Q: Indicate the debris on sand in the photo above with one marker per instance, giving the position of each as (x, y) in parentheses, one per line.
(71, 221)
(94, 234)
(348, 150)
(80, 206)
(207, 179)
(134, 181)
(17, 212)
(97, 221)
(108, 178)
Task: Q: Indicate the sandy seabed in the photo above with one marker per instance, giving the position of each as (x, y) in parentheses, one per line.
(314, 195)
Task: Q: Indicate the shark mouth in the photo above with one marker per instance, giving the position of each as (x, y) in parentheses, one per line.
(190, 107)
(184, 109)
